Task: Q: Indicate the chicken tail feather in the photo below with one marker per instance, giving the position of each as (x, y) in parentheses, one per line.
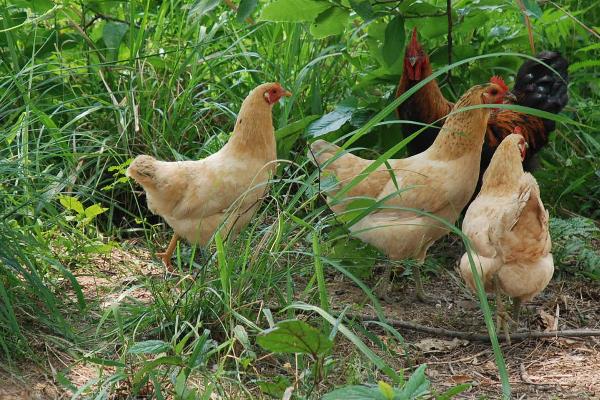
(143, 170)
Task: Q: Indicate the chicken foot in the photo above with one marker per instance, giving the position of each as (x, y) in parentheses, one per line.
(166, 255)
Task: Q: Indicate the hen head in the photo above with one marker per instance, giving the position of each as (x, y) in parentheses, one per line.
(272, 92)
(415, 59)
(522, 143)
(496, 92)
(514, 144)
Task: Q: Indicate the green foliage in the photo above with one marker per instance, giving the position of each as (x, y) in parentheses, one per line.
(86, 86)
(294, 336)
(416, 387)
(576, 246)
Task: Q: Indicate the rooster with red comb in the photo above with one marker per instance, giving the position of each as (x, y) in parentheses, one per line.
(536, 86)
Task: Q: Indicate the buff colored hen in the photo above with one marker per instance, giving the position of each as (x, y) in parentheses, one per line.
(439, 181)
(223, 190)
(507, 225)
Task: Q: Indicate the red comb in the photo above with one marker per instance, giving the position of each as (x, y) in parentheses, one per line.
(414, 43)
(499, 81)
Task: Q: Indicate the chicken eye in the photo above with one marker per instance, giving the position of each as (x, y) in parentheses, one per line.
(494, 92)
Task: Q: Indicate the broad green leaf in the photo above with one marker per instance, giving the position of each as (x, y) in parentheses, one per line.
(113, 34)
(330, 22)
(433, 27)
(94, 210)
(275, 389)
(355, 392)
(294, 10)
(393, 44)
(202, 7)
(149, 347)
(471, 22)
(294, 336)
(356, 256)
(334, 120)
(363, 9)
(245, 9)
(71, 203)
(533, 8)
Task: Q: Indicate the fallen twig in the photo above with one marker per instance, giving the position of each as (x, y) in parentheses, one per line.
(476, 337)
(473, 337)
(527, 25)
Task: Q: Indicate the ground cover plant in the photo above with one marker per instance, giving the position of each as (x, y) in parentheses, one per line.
(286, 310)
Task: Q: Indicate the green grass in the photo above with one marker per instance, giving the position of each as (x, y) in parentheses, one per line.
(73, 112)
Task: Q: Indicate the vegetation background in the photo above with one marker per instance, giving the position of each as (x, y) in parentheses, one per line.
(86, 85)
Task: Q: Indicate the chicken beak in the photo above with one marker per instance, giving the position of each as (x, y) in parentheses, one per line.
(412, 60)
(287, 93)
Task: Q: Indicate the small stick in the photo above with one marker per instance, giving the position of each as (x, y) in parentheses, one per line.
(527, 24)
(473, 337)
(476, 337)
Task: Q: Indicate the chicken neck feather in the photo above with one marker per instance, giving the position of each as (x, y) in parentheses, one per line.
(463, 132)
(253, 134)
(504, 172)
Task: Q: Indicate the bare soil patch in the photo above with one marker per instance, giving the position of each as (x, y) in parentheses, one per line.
(560, 368)
(554, 368)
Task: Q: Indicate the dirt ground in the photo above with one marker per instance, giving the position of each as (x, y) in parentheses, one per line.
(550, 368)
(547, 368)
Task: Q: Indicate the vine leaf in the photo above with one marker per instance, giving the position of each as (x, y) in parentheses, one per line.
(294, 336)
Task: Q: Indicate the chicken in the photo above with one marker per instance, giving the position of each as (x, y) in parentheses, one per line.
(438, 181)
(507, 226)
(222, 191)
(536, 86)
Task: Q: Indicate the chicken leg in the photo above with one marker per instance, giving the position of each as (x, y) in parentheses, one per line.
(166, 255)
(501, 314)
(421, 296)
(516, 311)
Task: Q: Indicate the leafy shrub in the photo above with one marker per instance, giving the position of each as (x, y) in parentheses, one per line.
(576, 246)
